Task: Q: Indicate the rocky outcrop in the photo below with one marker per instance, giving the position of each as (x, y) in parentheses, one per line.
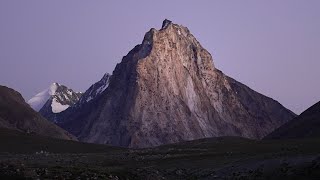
(16, 114)
(168, 90)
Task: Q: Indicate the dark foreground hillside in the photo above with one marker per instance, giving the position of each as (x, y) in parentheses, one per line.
(16, 114)
(29, 156)
(17, 142)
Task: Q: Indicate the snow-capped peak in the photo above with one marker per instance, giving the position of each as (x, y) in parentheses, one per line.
(58, 107)
(60, 98)
(38, 101)
(53, 88)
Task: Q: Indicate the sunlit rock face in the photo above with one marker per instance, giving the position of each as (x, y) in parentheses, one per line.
(168, 90)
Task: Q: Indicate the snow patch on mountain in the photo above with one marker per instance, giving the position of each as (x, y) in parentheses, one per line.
(58, 97)
(89, 98)
(96, 89)
(102, 88)
(41, 98)
(57, 107)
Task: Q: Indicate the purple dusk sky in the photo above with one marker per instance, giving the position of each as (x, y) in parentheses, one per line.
(271, 46)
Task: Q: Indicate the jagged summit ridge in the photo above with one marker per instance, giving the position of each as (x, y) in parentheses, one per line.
(95, 90)
(173, 36)
(167, 90)
(165, 23)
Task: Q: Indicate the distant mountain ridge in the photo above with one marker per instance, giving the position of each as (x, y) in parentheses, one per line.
(95, 90)
(167, 90)
(16, 114)
(56, 99)
(86, 99)
(306, 125)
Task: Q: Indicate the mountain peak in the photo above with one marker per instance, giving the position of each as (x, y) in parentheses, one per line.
(53, 96)
(174, 39)
(167, 90)
(53, 88)
(166, 23)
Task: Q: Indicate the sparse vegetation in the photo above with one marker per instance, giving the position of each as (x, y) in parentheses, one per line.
(214, 158)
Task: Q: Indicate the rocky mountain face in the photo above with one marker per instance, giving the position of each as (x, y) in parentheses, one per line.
(95, 90)
(16, 114)
(306, 125)
(56, 99)
(85, 101)
(167, 90)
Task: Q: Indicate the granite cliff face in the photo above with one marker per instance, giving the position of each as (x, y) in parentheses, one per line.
(168, 90)
(16, 114)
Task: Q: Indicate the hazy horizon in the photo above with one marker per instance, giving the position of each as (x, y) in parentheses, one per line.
(271, 46)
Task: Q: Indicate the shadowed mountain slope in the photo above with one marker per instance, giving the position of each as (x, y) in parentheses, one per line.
(306, 125)
(16, 114)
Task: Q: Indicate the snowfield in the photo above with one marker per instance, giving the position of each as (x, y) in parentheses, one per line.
(38, 101)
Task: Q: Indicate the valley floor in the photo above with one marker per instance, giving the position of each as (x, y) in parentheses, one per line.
(215, 158)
